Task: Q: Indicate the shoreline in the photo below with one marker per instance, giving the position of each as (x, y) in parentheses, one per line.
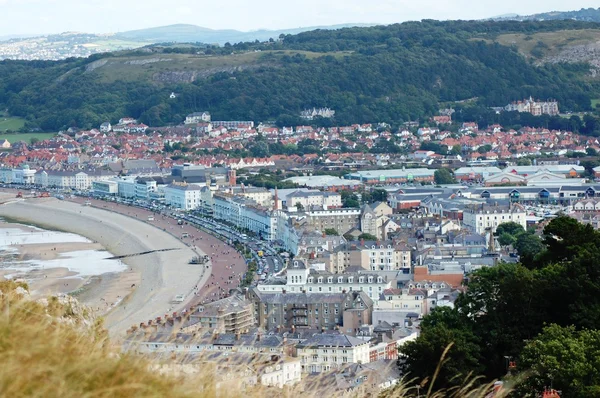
(143, 291)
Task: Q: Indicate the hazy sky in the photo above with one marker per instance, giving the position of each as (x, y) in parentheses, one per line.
(99, 16)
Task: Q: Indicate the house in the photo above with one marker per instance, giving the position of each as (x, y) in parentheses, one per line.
(323, 352)
(197, 117)
(105, 127)
(127, 120)
(4, 144)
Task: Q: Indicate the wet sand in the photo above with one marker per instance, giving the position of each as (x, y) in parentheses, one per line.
(145, 290)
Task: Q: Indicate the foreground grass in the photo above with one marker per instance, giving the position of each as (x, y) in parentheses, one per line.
(56, 348)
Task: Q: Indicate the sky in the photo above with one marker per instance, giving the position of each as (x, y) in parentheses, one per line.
(20, 17)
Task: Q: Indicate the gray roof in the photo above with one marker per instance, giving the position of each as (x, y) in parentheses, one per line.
(186, 187)
(331, 340)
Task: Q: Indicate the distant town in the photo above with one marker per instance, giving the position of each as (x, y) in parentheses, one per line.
(365, 244)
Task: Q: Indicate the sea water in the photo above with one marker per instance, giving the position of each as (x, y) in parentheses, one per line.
(83, 262)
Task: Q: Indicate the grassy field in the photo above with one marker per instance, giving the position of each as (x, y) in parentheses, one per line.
(595, 102)
(11, 123)
(136, 68)
(556, 41)
(14, 137)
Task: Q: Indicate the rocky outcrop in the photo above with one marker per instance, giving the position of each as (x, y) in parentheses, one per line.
(146, 61)
(589, 53)
(193, 75)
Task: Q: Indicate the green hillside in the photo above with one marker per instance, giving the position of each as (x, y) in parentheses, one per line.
(390, 73)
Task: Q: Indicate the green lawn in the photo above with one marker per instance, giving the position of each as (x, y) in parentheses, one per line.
(14, 137)
(595, 102)
(11, 123)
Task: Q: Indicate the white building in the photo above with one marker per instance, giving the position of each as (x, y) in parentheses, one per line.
(310, 199)
(126, 187)
(301, 279)
(105, 127)
(262, 196)
(110, 187)
(197, 117)
(479, 218)
(183, 196)
(281, 373)
(24, 175)
(79, 180)
(6, 176)
(325, 352)
(245, 213)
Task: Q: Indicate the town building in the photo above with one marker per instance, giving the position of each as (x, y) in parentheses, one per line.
(183, 196)
(229, 315)
(197, 117)
(484, 217)
(347, 310)
(300, 278)
(342, 220)
(324, 352)
(536, 108)
(392, 176)
(300, 200)
(371, 256)
(245, 213)
(310, 114)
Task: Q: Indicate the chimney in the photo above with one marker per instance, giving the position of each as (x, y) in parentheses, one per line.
(237, 335)
(362, 242)
(258, 336)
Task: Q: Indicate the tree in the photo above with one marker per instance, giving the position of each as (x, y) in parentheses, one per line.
(331, 231)
(511, 228)
(456, 150)
(34, 140)
(379, 195)
(528, 246)
(367, 236)
(506, 239)
(443, 328)
(299, 206)
(349, 199)
(524, 162)
(443, 176)
(564, 358)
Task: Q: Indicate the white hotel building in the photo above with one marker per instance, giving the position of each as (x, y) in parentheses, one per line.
(478, 218)
(183, 196)
(325, 352)
(245, 213)
(301, 279)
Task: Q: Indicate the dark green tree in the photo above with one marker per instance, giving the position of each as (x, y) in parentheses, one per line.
(564, 358)
(443, 176)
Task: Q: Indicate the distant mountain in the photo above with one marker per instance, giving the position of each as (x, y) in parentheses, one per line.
(585, 14)
(193, 33)
(81, 45)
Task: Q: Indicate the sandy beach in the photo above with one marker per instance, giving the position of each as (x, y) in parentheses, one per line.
(142, 292)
